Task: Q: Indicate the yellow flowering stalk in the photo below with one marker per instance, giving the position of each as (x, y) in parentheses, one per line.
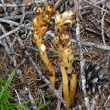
(65, 52)
(62, 44)
(40, 24)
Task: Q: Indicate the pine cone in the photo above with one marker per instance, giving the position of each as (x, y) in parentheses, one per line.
(97, 77)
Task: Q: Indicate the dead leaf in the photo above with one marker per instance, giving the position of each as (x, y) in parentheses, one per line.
(26, 1)
(98, 107)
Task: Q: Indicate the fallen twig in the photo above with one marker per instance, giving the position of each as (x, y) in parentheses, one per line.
(88, 44)
(97, 6)
(59, 3)
(82, 62)
(12, 31)
(107, 101)
(14, 23)
(5, 43)
(40, 73)
(20, 5)
(102, 24)
(92, 45)
(59, 103)
(10, 47)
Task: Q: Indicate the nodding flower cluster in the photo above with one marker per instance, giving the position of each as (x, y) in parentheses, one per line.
(62, 47)
(40, 24)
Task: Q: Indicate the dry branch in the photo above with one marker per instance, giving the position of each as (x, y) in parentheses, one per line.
(40, 73)
(82, 62)
(13, 31)
(59, 3)
(20, 5)
(97, 6)
(92, 45)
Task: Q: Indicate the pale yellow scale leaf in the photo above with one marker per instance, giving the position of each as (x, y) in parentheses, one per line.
(67, 15)
(43, 48)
